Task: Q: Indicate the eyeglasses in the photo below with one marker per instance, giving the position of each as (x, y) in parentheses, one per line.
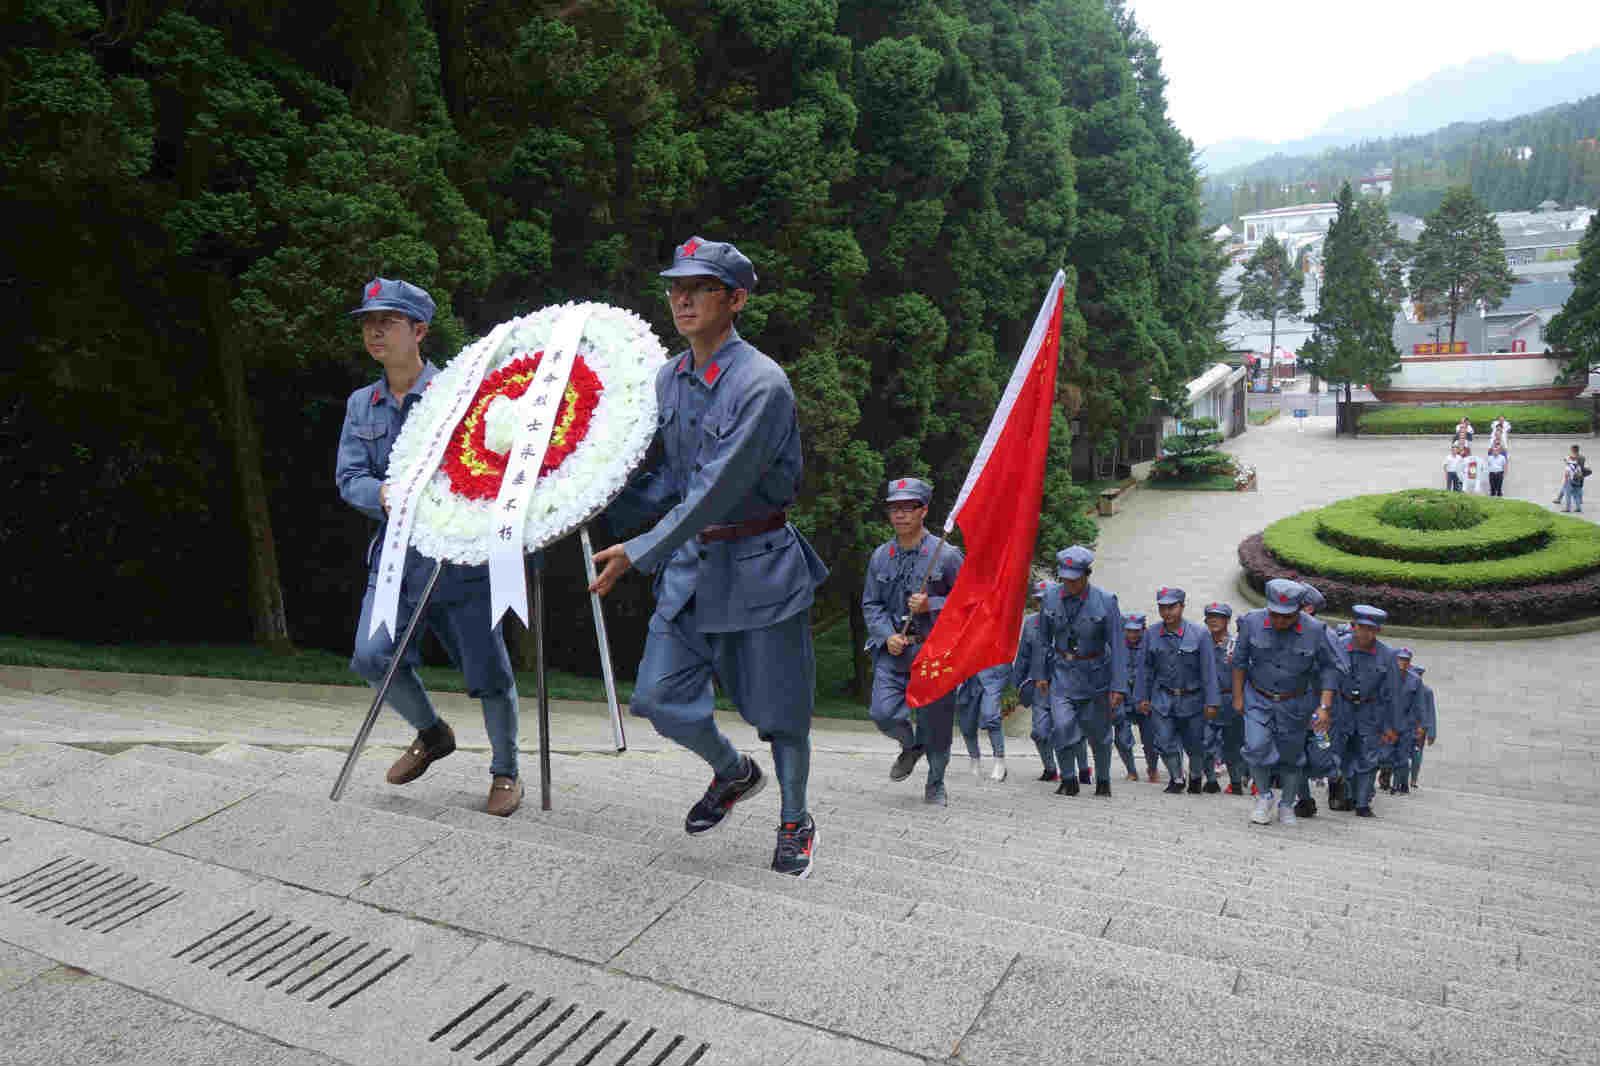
(693, 291)
(379, 322)
(903, 506)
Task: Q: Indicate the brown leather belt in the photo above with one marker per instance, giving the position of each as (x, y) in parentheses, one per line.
(1278, 697)
(1071, 658)
(750, 528)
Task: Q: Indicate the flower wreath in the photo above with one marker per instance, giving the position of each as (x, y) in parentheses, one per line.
(603, 428)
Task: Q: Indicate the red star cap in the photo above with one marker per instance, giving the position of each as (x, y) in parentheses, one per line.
(374, 290)
(691, 246)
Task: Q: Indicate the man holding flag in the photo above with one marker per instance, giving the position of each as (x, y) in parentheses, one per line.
(998, 513)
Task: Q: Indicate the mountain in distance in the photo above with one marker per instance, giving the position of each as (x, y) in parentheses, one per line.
(1490, 87)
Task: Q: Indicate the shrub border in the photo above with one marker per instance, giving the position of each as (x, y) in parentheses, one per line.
(1509, 528)
(1501, 613)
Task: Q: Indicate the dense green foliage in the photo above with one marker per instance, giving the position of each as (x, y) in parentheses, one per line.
(1564, 166)
(1362, 526)
(1570, 547)
(1460, 259)
(1271, 286)
(1576, 327)
(1353, 339)
(1191, 454)
(1527, 418)
(1430, 509)
(199, 190)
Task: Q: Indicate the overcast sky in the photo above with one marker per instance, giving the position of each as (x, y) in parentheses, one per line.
(1274, 71)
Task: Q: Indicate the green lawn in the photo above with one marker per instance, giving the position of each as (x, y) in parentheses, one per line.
(249, 663)
(1214, 483)
(1261, 418)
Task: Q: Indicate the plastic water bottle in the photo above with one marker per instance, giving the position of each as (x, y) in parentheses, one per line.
(1321, 737)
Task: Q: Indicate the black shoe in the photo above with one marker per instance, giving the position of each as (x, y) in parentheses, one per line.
(1194, 786)
(797, 842)
(935, 794)
(1364, 812)
(1305, 808)
(1069, 787)
(722, 795)
(1085, 776)
(1211, 787)
(1173, 787)
(1102, 788)
(1401, 789)
(1383, 780)
(1275, 784)
(1337, 800)
(904, 763)
(1050, 775)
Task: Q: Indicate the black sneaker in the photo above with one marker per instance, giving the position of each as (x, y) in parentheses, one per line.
(722, 795)
(934, 794)
(1085, 776)
(1211, 787)
(1173, 787)
(1305, 808)
(1049, 775)
(1194, 786)
(1102, 788)
(797, 843)
(904, 763)
(1068, 787)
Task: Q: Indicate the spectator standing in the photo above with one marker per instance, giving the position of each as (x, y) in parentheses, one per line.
(1496, 462)
(1464, 429)
(1472, 470)
(1577, 469)
(1452, 468)
(1501, 428)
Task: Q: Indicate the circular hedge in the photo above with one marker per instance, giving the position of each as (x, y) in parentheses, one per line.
(1360, 527)
(1515, 564)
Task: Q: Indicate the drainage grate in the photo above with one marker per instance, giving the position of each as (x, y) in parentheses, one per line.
(86, 894)
(533, 1030)
(300, 959)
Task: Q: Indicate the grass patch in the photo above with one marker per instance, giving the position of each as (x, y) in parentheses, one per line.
(315, 667)
(1261, 418)
(1531, 418)
(1503, 528)
(1210, 483)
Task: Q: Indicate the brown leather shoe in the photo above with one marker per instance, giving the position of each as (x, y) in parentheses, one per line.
(420, 755)
(505, 796)
(1151, 776)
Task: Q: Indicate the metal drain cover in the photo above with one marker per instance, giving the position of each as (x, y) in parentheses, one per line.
(86, 895)
(512, 1027)
(303, 960)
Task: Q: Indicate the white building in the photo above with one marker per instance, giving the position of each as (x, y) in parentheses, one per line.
(1218, 394)
(1294, 227)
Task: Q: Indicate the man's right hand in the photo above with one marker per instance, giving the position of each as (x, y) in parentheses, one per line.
(1042, 688)
(383, 495)
(896, 644)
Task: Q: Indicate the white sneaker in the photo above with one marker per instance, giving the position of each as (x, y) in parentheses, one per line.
(999, 771)
(1286, 816)
(1262, 815)
(977, 767)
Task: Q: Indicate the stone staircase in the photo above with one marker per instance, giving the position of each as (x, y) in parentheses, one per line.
(1013, 926)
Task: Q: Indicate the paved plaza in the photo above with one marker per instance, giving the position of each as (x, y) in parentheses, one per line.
(175, 886)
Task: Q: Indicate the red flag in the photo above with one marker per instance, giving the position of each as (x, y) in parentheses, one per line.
(998, 512)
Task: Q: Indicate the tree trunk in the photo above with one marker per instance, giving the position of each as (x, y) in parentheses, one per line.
(858, 640)
(269, 622)
(1272, 352)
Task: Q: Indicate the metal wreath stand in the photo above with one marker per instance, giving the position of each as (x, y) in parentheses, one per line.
(618, 735)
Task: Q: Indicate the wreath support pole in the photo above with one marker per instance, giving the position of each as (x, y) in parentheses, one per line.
(542, 684)
(395, 659)
(619, 737)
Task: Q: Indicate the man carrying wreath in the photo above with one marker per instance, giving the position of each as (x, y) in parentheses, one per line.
(394, 319)
(733, 580)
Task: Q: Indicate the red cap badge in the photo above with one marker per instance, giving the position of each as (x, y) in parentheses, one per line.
(900, 484)
(374, 290)
(691, 246)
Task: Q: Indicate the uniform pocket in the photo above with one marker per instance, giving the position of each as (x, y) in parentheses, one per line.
(769, 568)
(371, 432)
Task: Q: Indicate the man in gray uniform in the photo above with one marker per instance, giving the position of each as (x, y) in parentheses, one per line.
(1364, 715)
(1394, 769)
(1081, 652)
(734, 580)
(1023, 681)
(978, 707)
(1176, 679)
(1225, 733)
(1322, 761)
(1280, 662)
(394, 319)
(907, 581)
(1133, 626)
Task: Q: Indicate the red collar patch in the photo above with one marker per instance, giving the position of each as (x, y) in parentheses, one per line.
(377, 395)
(712, 373)
(683, 364)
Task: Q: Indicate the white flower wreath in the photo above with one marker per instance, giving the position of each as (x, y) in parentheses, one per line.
(605, 425)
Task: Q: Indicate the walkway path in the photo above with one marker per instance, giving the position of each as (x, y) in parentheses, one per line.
(188, 901)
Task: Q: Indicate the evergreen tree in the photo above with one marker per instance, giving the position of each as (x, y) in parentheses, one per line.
(1353, 337)
(1460, 259)
(1576, 328)
(1270, 287)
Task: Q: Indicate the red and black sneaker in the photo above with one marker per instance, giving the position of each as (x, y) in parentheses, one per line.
(797, 843)
(722, 795)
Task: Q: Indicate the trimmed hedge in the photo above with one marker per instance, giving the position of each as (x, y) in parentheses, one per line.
(1573, 549)
(1524, 419)
(1555, 601)
(1509, 528)
(1431, 509)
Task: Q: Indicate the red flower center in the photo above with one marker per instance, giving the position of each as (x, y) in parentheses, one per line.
(474, 469)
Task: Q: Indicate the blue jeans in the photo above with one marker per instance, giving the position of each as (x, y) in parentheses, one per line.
(1573, 497)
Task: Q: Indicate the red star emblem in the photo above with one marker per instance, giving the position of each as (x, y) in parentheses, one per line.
(374, 290)
(900, 484)
(691, 246)
(1163, 591)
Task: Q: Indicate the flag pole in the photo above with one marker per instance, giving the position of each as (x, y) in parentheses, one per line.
(927, 573)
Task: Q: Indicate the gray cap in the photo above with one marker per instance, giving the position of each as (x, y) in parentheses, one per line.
(385, 294)
(1220, 609)
(1283, 596)
(1133, 621)
(909, 488)
(698, 257)
(1363, 615)
(1074, 562)
(1038, 589)
(1312, 597)
(1167, 595)
(1418, 670)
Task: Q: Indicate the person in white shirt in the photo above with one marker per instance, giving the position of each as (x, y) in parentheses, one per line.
(1452, 468)
(1502, 429)
(1496, 462)
(1472, 471)
(1464, 428)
